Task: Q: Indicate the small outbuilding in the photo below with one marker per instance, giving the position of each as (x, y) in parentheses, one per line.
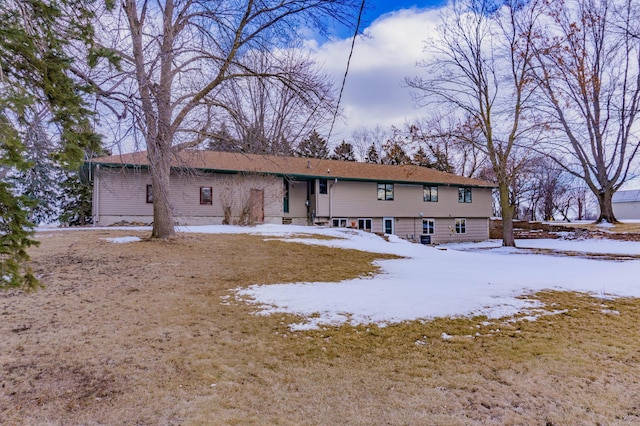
(626, 204)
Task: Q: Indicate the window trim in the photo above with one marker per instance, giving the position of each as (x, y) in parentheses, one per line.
(203, 197)
(340, 221)
(461, 226)
(387, 188)
(464, 194)
(365, 219)
(430, 198)
(149, 193)
(431, 228)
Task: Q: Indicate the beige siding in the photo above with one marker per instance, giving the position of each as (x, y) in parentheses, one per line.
(121, 195)
(297, 199)
(355, 199)
(411, 229)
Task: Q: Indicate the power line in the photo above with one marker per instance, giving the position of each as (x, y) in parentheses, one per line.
(346, 71)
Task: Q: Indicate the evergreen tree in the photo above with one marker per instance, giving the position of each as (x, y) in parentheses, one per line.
(421, 158)
(76, 204)
(372, 155)
(395, 154)
(35, 76)
(77, 192)
(40, 181)
(344, 152)
(315, 146)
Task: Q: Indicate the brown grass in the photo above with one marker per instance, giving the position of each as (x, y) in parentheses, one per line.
(139, 333)
(617, 228)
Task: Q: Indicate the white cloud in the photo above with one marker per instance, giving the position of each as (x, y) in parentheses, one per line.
(374, 94)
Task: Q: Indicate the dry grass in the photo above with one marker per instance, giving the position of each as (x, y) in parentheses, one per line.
(633, 227)
(137, 334)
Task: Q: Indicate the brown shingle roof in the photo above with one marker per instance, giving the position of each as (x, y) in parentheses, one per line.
(298, 167)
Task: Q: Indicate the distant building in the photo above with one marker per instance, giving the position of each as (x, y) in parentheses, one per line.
(209, 187)
(626, 204)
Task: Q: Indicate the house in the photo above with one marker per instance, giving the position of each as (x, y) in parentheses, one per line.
(626, 204)
(209, 187)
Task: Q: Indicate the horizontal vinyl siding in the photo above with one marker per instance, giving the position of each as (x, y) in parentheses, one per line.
(297, 199)
(123, 193)
(477, 230)
(359, 199)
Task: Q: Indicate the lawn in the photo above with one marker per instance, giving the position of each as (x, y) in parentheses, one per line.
(151, 332)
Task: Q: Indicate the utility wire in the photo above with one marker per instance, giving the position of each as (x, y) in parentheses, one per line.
(346, 71)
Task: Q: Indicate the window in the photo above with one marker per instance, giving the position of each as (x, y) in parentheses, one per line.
(339, 223)
(364, 224)
(385, 191)
(206, 195)
(285, 202)
(149, 194)
(461, 226)
(430, 193)
(464, 195)
(428, 226)
(323, 186)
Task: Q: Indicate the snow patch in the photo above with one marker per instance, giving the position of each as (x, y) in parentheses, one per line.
(122, 240)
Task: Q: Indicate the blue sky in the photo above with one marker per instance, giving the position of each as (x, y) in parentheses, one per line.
(376, 8)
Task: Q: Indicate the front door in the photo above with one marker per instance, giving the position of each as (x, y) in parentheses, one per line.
(387, 225)
(256, 203)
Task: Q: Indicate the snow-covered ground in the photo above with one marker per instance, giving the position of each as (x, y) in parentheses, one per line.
(447, 280)
(439, 281)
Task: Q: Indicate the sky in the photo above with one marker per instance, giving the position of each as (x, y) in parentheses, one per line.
(374, 95)
(428, 282)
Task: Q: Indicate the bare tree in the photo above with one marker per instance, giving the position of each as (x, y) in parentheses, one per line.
(450, 142)
(366, 141)
(179, 59)
(588, 55)
(269, 116)
(482, 68)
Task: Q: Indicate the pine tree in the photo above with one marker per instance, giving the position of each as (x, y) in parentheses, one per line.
(372, 155)
(420, 158)
(77, 192)
(40, 182)
(344, 152)
(315, 146)
(395, 154)
(35, 73)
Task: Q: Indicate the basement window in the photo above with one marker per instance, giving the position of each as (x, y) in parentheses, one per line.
(461, 226)
(339, 223)
(428, 226)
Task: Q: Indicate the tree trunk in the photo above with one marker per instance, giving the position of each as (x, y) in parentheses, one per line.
(506, 209)
(163, 222)
(606, 207)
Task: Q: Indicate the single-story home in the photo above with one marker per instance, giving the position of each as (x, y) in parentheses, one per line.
(210, 187)
(626, 204)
